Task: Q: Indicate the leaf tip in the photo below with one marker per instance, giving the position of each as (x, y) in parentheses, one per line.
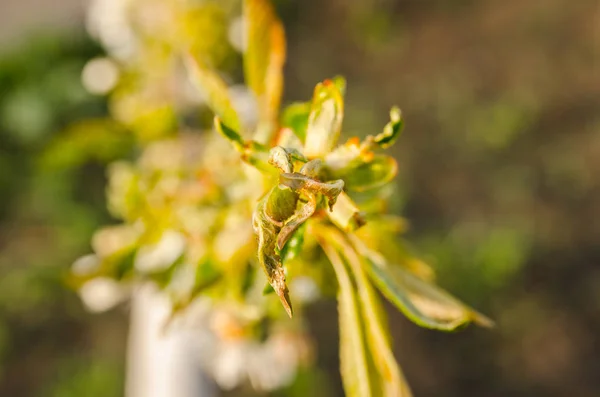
(284, 296)
(483, 321)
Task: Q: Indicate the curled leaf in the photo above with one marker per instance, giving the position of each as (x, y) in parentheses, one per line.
(280, 158)
(295, 221)
(302, 183)
(281, 204)
(268, 256)
(313, 169)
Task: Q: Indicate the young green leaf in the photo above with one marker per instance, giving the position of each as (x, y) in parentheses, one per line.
(251, 152)
(215, 90)
(229, 133)
(425, 304)
(325, 119)
(392, 130)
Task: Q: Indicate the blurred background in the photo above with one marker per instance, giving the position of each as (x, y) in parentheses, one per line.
(498, 178)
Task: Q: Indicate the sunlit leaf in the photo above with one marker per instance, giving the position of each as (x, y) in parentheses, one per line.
(376, 333)
(345, 214)
(210, 84)
(264, 57)
(274, 73)
(202, 28)
(354, 364)
(425, 304)
(325, 119)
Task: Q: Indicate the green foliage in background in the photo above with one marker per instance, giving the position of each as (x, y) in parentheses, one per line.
(51, 184)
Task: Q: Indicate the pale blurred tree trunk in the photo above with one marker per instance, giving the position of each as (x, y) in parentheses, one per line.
(161, 363)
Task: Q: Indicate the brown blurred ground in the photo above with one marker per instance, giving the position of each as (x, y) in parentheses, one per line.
(499, 173)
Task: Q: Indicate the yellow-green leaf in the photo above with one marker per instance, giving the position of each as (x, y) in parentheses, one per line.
(392, 380)
(354, 363)
(325, 119)
(345, 214)
(264, 57)
(229, 133)
(251, 152)
(209, 83)
(392, 130)
(424, 303)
